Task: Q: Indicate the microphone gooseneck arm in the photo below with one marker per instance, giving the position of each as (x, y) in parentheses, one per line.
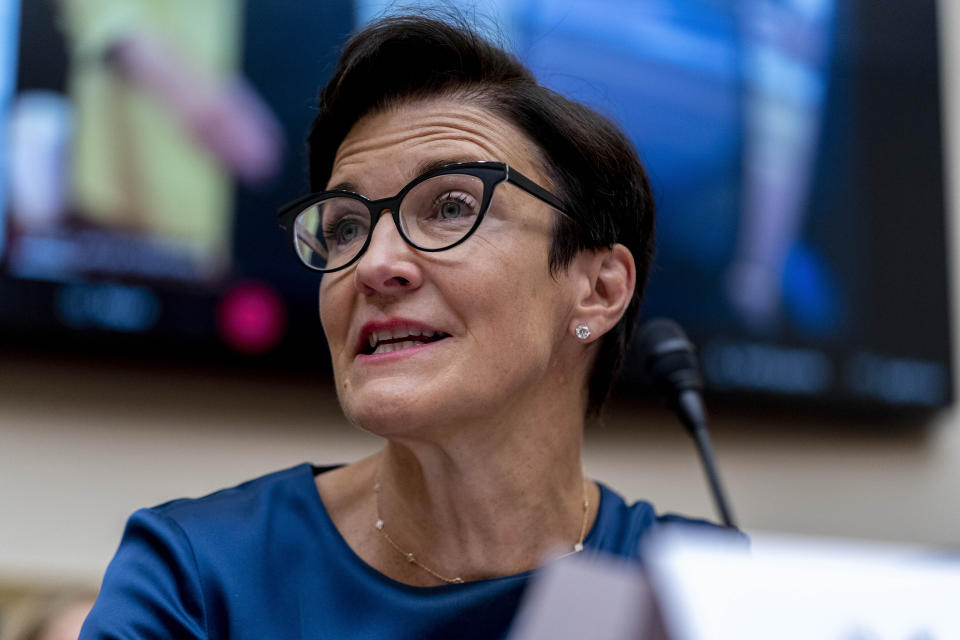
(694, 417)
(670, 362)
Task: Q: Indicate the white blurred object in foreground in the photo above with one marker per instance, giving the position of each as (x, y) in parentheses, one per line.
(801, 589)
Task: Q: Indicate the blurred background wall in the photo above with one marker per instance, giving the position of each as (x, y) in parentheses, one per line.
(82, 446)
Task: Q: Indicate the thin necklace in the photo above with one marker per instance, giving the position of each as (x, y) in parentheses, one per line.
(412, 559)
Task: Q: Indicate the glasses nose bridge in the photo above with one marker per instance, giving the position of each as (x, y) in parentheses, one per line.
(389, 206)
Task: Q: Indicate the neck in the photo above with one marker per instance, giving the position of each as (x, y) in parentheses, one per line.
(492, 500)
(474, 493)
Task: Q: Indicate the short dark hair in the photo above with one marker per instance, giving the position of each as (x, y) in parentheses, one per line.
(590, 162)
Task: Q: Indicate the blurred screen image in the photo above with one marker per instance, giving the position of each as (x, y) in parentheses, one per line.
(125, 169)
(793, 147)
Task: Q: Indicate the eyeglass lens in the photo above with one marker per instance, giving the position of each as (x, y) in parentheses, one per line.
(435, 214)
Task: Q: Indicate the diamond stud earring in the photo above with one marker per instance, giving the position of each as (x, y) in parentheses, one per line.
(582, 331)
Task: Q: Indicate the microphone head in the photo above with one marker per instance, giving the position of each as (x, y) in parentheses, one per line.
(667, 357)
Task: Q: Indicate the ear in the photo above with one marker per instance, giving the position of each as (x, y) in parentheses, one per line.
(605, 282)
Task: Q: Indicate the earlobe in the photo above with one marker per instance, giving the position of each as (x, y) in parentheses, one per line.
(609, 279)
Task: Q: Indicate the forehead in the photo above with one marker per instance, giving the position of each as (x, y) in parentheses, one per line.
(387, 148)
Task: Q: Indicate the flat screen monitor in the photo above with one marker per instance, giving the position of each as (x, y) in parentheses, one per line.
(794, 148)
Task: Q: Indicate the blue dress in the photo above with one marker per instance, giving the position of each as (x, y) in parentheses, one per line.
(264, 560)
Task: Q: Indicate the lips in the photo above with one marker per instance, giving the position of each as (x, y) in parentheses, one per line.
(394, 335)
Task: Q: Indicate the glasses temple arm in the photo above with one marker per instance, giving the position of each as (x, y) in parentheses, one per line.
(538, 192)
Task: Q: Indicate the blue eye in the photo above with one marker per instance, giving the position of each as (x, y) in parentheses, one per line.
(343, 232)
(347, 232)
(454, 206)
(344, 222)
(451, 209)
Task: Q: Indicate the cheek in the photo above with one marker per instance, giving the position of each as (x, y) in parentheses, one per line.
(323, 306)
(334, 312)
(521, 302)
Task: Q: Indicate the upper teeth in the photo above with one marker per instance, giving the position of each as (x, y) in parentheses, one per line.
(377, 337)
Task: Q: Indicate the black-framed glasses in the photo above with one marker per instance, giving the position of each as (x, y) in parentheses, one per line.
(435, 212)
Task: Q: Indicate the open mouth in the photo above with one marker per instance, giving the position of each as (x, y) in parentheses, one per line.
(389, 340)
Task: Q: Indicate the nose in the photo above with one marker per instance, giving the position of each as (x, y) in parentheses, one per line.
(389, 265)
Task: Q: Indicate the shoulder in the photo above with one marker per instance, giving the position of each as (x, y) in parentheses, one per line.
(621, 526)
(260, 521)
(244, 501)
(179, 563)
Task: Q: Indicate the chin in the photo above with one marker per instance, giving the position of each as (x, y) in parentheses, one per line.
(382, 413)
(388, 413)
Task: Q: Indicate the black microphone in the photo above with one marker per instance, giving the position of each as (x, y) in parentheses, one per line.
(669, 361)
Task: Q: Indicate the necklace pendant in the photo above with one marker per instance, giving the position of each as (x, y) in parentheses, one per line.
(457, 581)
(577, 548)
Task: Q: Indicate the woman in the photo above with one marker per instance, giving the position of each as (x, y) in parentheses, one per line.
(477, 300)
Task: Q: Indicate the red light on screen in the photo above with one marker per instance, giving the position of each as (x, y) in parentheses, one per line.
(252, 318)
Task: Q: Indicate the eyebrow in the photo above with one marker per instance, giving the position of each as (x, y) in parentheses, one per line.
(344, 186)
(429, 165)
(424, 167)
